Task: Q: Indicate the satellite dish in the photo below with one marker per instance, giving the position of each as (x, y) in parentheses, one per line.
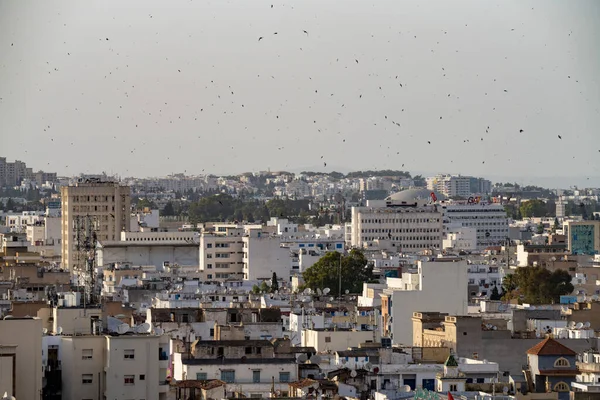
(572, 325)
(368, 366)
(44, 331)
(159, 331)
(346, 291)
(319, 291)
(315, 359)
(326, 290)
(587, 325)
(343, 361)
(59, 330)
(303, 357)
(143, 328)
(505, 390)
(123, 329)
(405, 388)
(353, 373)
(331, 298)
(579, 325)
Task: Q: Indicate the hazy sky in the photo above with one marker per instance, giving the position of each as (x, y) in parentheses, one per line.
(154, 87)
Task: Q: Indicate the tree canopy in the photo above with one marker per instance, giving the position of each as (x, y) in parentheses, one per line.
(325, 273)
(537, 285)
(533, 208)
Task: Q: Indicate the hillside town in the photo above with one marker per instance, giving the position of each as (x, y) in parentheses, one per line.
(368, 285)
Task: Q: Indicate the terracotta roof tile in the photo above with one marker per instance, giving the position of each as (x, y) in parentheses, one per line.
(550, 347)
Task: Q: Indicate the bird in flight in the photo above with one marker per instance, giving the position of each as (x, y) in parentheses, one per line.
(520, 130)
(260, 38)
(560, 137)
(305, 32)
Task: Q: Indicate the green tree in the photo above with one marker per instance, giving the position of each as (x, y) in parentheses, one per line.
(495, 295)
(169, 210)
(255, 289)
(10, 205)
(533, 208)
(355, 270)
(537, 285)
(540, 228)
(264, 288)
(274, 283)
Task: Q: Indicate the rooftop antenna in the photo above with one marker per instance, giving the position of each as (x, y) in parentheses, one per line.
(123, 329)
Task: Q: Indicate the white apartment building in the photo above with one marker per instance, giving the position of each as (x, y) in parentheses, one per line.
(458, 185)
(221, 255)
(106, 203)
(408, 220)
(461, 238)
(19, 222)
(489, 220)
(440, 285)
(485, 277)
(263, 254)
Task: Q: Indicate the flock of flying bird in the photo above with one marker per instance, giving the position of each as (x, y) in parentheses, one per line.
(356, 60)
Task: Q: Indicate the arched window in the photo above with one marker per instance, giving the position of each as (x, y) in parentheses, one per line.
(561, 387)
(562, 362)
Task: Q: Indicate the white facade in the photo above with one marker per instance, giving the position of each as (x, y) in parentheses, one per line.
(253, 377)
(485, 277)
(489, 220)
(263, 255)
(160, 237)
(461, 238)
(147, 253)
(408, 229)
(442, 286)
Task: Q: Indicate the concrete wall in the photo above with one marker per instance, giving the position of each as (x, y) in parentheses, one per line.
(145, 363)
(74, 367)
(336, 340)
(442, 288)
(26, 335)
(148, 254)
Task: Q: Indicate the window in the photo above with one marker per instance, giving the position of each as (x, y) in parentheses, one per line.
(228, 376)
(248, 350)
(328, 339)
(86, 354)
(256, 376)
(201, 376)
(284, 377)
(453, 388)
(562, 362)
(561, 387)
(87, 379)
(129, 354)
(129, 380)
(142, 377)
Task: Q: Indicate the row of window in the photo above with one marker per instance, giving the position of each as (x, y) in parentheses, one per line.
(399, 230)
(88, 379)
(228, 376)
(96, 199)
(88, 354)
(403, 238)
(400, 221)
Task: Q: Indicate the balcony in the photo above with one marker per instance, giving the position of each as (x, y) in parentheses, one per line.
(163, 387)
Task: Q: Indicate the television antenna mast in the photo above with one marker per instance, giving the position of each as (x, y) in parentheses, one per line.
(86, 239)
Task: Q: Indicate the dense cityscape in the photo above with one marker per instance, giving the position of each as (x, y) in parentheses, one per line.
(345, 200)
(371, 284)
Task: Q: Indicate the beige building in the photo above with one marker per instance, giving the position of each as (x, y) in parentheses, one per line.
(21, 357)
(132, 368)
(107, 203)
(221, 255)
(114, 367)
